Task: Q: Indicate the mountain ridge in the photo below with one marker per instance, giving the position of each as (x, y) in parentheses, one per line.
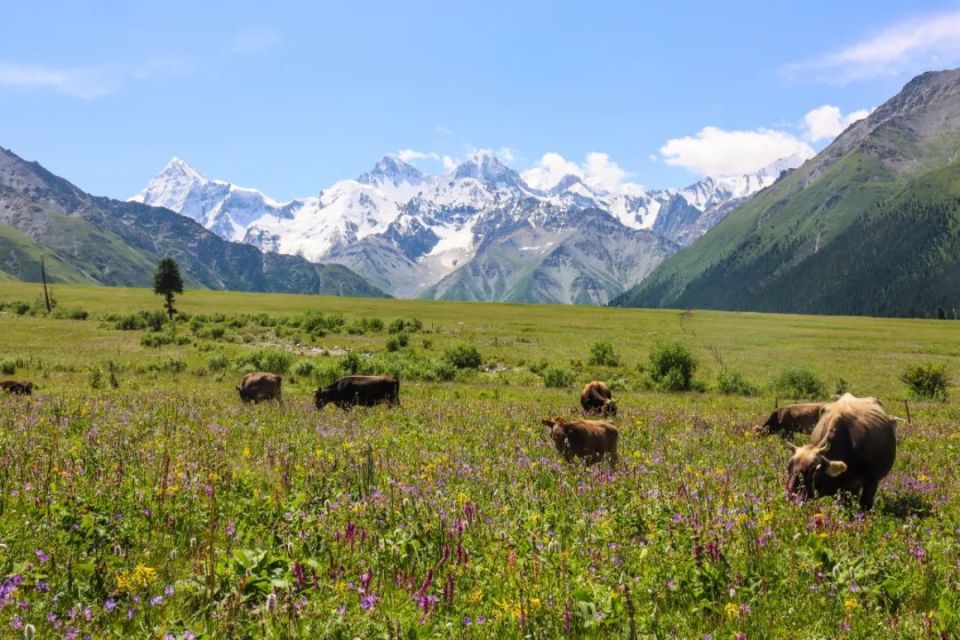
(407, 231)
(878, 185)
(114, 242)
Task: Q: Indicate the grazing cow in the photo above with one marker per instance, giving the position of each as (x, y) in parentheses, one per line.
(852, 448)
(260, 386)
(17, 387)
(792, 418)
(596, 399)
(587, 439)
(366, 391)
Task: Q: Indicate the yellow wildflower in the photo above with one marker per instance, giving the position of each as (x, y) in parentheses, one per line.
(144, 575)
(476, 597)
(246, 452)
(850, 605)
(123, 581)
(731, 610)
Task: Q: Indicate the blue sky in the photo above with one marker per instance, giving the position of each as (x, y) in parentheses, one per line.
(290, 97)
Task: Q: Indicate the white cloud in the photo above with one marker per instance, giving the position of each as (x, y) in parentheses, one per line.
(255, 40)
(827, 122)
(909, 47)
(411, 155)
(80, 82)
(444, 131)
(716, 152)
(448, 163)
(506, 155)
(89, 82)
(598, 170)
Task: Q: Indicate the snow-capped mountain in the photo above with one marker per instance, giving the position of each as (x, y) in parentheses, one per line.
(221, 207)
(477, 231)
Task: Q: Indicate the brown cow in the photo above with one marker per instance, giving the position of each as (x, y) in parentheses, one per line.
(17, 387)
(366, 391)
(596, 399)
(792, 418)
(852, 448)
(260, 386)
(587, 439)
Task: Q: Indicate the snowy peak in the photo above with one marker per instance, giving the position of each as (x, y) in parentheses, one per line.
(484, 166)
(391, 169)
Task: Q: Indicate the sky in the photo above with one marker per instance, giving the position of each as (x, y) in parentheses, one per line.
(290, 97)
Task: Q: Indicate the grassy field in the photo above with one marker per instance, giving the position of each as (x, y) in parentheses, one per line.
(140, 498)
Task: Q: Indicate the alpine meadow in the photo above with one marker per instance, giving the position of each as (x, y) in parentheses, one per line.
(480, 321)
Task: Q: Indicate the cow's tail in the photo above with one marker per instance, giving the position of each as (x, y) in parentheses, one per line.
(396, 391)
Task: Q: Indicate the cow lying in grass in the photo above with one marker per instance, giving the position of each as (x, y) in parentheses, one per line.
(587, 439)
(852, 448)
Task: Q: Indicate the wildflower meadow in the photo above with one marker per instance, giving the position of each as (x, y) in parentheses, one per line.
(139, 498)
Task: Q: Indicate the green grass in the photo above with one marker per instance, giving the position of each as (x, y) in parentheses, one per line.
(284, 522)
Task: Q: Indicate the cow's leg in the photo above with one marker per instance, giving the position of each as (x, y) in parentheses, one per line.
(868, 494)
(613, 460)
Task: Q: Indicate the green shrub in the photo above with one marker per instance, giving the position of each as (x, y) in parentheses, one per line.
(70, 314)
(8, 367)
(444, 371)
(405, 325)
(558, 378)
(603, 355)
(463, 356)
(303, 369)
(130, 322)
(927, 381)
(364, 325)
(271, 360)
(841, 388)
(170, 365)
(350, 364)
(396, 342)
(96, 378)
(800, 383)
(19, 307)
(218, 362)
(732, 383)
(671, 367)
(156, 340)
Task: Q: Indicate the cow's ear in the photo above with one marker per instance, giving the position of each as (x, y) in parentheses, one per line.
(834, 467)
(546, 423)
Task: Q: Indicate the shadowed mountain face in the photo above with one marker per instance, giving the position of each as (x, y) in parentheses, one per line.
(88, 238)
(871, 225)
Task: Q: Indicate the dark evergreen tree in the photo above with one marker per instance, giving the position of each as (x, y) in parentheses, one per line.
(167, 282)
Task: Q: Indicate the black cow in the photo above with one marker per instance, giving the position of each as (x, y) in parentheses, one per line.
(366, 391)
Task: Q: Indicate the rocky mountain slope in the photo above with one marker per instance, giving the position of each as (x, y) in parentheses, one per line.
(871, 225)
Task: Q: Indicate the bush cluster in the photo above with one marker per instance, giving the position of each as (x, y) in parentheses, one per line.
(927, 381)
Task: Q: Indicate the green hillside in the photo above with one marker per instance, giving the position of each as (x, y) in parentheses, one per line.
(91, 239)
(869, 226)
(20, 260)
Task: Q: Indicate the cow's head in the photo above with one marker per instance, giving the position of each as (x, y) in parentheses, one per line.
(321, 397)
(610, 407)
(558, 429)
(244, 394)
(809, 473)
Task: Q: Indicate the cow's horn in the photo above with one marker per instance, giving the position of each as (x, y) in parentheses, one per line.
(790, 446)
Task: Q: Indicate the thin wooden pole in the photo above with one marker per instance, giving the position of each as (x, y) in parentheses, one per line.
(43, 277)
(906, 405)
